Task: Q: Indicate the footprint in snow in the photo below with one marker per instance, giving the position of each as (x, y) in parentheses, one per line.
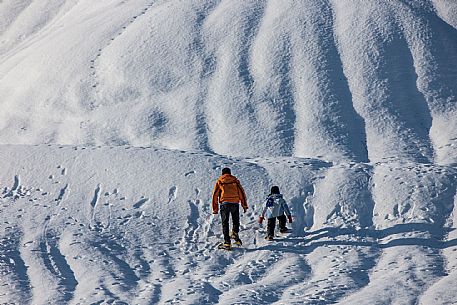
(140, 203)
(172, 194)
(125, 220)
(189, 173)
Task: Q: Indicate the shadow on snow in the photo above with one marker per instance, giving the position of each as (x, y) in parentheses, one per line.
(312, 240)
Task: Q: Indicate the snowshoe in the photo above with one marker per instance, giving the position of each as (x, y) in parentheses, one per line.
(237, 239)
(285, 230)
(225, 246)
(269, 237)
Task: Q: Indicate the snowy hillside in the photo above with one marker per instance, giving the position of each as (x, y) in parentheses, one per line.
(356, 80)
(85, 225)
(116, 118)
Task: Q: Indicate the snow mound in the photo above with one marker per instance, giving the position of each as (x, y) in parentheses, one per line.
(339, 80)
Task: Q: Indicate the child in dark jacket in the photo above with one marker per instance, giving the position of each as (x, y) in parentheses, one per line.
(275, 207)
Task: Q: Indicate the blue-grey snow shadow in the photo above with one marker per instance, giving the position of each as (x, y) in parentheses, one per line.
(57, 265)
(405, 104)
(344, 123)
(115, 253)
(368, 238)
(312, 241)
(442, 46)
(11, 263)
(360, 275)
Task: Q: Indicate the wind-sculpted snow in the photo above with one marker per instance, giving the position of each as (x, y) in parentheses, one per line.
(351, 80)
(133, 225)
(447, 10)
(116, 118)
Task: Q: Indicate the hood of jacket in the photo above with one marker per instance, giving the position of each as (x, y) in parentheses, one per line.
(227, 178)
(275, 196)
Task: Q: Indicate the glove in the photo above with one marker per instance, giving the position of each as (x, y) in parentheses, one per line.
(245, 209)
(290, 218)
(261, 219)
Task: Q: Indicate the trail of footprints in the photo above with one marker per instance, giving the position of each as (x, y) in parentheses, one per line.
(47, 248)
(150, 276)
(252, 271)
(93, 62)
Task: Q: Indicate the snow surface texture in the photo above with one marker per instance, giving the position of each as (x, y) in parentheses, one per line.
(116, 118)
(133, 225)
(351, 80)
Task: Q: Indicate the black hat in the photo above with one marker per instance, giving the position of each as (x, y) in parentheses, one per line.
(226, 170)
(275, 189)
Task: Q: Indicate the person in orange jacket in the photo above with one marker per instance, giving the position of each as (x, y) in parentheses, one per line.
(229, 194)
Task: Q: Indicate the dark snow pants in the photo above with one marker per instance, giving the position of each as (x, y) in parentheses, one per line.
(272, 223)
(228, 209)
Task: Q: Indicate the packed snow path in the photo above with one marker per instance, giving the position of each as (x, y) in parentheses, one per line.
(129, 225)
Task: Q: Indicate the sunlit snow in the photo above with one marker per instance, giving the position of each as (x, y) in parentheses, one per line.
(116, 118)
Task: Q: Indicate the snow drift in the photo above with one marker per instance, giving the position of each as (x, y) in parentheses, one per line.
(117, 117)
(353, 80)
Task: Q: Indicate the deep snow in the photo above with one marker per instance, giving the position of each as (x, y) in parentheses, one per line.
(352, 80)
(116, 118)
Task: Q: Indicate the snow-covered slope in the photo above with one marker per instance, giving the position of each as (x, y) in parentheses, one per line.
(116, 118)
(354, 79)
(134, 225)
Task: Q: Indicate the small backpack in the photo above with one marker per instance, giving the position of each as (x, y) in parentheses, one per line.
(229, 187)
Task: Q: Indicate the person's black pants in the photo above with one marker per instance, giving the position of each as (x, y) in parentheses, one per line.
(272, 223)
(228, 209)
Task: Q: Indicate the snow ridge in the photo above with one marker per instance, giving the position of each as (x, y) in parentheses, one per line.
(338, 80)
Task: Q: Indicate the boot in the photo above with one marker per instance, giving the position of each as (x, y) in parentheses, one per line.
(285, 230)
(234, 235)
(225, 246)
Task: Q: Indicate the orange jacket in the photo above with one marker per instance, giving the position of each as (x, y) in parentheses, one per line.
(228, 189)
